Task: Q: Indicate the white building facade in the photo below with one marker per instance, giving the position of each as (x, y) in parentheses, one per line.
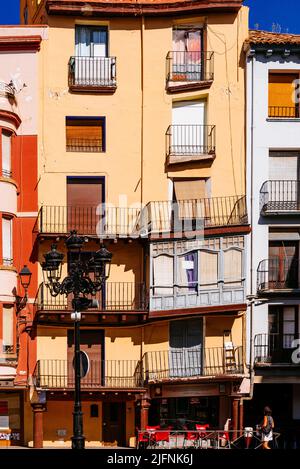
(273, 198)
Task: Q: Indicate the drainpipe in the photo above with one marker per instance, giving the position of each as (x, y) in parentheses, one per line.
(252, 293)
(142, 109)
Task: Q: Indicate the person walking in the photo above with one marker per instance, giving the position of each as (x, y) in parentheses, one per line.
(267, 428)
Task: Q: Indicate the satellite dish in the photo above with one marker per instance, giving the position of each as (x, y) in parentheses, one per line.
(84, 364)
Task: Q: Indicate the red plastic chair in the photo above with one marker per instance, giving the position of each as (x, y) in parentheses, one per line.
(202, 432)
(161, 436)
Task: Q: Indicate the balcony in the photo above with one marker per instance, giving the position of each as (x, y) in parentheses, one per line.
(92, 74)
(193, 363)
(278, 276)
(186, 216)
(190, 143)
(110, 374)
(276, 349)
(116, 298)
(284, 112)
(280, 197)
(188, 70)
(97, 222)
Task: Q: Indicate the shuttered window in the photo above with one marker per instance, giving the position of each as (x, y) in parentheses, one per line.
(85, 134)
(6, 154)
(8, 328)
(188, 194)
(282, 99)
(7, 254)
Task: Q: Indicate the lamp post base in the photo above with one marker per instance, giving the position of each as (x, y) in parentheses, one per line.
(78, 442)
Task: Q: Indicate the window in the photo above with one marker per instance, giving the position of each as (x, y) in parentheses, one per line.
(91, 41)
(8, 327)
(282, 95)
(163, 275)
(190, 195)
(85, 134)
(187, 47)
(7, 253)
(6, 154)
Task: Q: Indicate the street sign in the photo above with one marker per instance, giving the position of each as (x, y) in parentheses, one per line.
(84, 364)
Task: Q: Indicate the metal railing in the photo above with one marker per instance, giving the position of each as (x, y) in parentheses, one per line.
(116, 296)
(8, 349)
(189, 215)
(59, 374)
(190, 66)
(7, 91)
(88, 220)
(157, 216)
(278, 274)
(6, 173)
(276, 348)
(84, 145)
(206, 438)
(280, 196)
(284, 112)
(92, 72)
(190, 140)
(191, 363)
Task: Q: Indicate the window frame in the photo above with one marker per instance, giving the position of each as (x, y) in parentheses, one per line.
(101, 119)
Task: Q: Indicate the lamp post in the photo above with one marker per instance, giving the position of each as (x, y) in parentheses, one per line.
(25, 279)
(79, 283)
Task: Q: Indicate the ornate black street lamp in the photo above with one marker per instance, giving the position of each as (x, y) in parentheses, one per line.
(79, 283)
(25, 279)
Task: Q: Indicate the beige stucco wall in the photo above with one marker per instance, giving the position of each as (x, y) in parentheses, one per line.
(141, 95)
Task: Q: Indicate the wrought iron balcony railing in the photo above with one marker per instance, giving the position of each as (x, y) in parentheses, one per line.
(190, 141)
(157, 216)
(59, 374)
(85, 145)
(116, 296)
(88, 220)
(278, 274)
(285, 112)
(92, 72)
(191, 215)
(276, 349)
(6, 173)
(190, 66)
(280, 197)
(194, 362)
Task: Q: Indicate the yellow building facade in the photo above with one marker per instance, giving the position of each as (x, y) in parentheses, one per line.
(141, 144)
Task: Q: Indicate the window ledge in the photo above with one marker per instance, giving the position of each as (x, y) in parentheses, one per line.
(283, 119)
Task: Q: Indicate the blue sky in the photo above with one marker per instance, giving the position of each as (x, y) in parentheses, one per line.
(267, 14)
(283, 14)
(9, 12)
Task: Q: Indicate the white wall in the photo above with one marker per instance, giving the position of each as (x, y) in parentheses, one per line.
(266, 134)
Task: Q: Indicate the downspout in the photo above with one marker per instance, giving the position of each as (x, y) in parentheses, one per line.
(252, 293)
(142, 110)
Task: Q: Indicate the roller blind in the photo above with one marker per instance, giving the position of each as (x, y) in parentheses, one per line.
(84, 134)
(190, 189)
(282, 94)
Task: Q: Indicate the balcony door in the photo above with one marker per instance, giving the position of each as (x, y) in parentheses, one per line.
(91, 41)
(188, 136)
(85, 199)
(92, 343)
(283, 265)
(92, 64)
(283, 330)
(284, 175)
(185, 356)
(187, 52)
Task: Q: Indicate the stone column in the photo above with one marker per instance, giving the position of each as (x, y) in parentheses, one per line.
(145, 404)
(235, 417)
(38, 436)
